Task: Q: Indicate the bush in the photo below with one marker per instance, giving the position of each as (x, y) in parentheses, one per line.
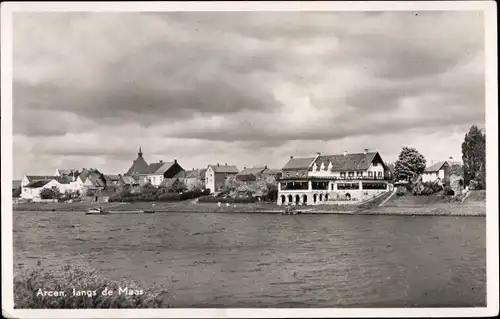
(449, 192)
(80, 278)
(476, 185)
(235, 200)
(49, 193)
(16, 192)
(167, 197)
(401, 191)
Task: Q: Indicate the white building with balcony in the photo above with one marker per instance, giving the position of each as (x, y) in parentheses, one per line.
(344, 178)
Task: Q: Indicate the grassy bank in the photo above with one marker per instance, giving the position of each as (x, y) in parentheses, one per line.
(395, 206)
(77, 287)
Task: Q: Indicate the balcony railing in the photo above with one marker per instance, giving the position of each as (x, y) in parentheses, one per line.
(312, 178)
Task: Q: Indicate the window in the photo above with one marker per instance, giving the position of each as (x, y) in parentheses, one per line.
(374, 186)
(379, 174)
(320, 185)
(345, 186)
(358, 174)
(350, 174)
(370, 174)
(294, 185)
(342, 174)
(287, 174)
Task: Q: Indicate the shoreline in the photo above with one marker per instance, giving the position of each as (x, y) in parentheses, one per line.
(378, 211)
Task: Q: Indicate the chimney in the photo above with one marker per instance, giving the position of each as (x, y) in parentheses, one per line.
(265, 167)
(175, 161)
(345, 153)
(218, 164)
(291, 156)
(318, 153)
(226, 164)
(366, 151)
(244, 167)
(161, 161)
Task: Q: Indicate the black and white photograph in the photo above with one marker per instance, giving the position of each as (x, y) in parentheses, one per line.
(297, 159)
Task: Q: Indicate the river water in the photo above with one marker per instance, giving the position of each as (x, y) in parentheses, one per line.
(265, 260)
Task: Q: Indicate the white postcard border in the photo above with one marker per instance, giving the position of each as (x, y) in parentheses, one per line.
(490, 20)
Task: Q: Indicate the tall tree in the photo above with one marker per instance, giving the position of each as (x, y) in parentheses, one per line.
(474, 156)
(410, 164)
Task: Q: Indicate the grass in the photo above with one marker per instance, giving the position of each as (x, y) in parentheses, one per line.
(81, 278)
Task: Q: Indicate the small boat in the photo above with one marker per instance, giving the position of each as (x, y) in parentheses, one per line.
(149, 211)
(97, 211)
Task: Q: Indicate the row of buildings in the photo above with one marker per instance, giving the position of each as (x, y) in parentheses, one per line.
(347, 177)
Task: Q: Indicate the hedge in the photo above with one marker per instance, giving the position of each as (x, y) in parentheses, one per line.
(236, 200)
(158, 195)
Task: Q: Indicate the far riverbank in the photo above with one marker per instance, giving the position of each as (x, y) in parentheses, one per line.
(437, 209)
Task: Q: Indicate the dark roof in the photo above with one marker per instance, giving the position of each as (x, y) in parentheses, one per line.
(113, 177)
(252, 171)
(271, 171)
(232, 169)
(39, 183)
(129, 180)
(161, 168)
(298, 163)
(139, 166)
(196, 173)
(435, 167)
(348, 162)
(96, 180)
(63, 179)
(16, 184)
(68, 171)
(32, 178)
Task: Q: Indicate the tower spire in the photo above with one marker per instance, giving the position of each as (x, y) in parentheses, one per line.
(140, 151)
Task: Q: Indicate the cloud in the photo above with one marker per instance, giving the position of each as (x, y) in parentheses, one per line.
(96, 85)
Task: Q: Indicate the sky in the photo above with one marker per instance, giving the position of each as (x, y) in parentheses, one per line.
(243, 88)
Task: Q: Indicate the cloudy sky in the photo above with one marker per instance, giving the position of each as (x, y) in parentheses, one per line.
(246, 88)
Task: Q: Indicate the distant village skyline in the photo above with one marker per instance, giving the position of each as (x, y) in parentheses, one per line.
(243, 88)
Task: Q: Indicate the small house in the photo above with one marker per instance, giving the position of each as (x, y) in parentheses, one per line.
(216, 175)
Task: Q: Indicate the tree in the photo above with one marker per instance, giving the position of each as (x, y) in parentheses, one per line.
(474, 156)
(196, 185)
(409, 165)
(16, 192)
(50, 193)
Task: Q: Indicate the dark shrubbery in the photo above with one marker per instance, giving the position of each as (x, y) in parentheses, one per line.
(80, 278)
(154, 194)
(449, 192)
(427, 188)
(236, 200)
(476, 185)
(401, 191)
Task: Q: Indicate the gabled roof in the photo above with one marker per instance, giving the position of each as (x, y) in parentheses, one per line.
(231, 169)
(252, 171)
(271, 171)
(139, 166)
(96, 180)
(435, 167)
(129, 180)
(348, 162)
(67, 171)
(111, 177)
(298, 163)
(196, 173)
(161, 168)
(38, 184)
(32, 178)
(63, 179)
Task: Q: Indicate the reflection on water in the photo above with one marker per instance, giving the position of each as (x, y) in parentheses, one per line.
(259, 260)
